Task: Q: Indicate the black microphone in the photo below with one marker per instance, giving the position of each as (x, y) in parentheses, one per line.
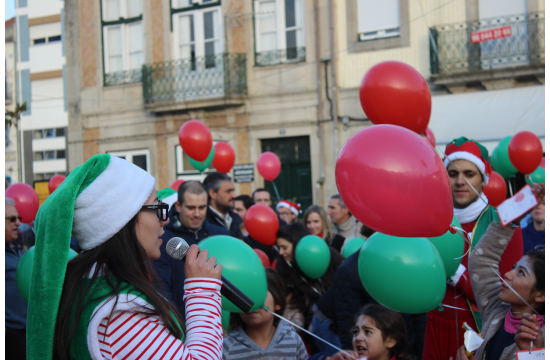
(177, 248)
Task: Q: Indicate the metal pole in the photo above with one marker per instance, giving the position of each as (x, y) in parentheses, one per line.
(319, 183)
(333, 80)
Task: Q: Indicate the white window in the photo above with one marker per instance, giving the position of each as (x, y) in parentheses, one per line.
(183, 165)
(279, 27)
(123, 42)
(198, 34)
(377, 19)
(178, 4)
(136, 157)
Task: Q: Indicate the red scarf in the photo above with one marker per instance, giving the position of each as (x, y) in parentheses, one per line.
(321, 235)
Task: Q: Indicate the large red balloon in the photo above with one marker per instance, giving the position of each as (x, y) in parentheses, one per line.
(195, 140)
(395, 183)
(224, 157)
(55, 181)
(542, 162)
(495, 190)
(525, 152)
(262, 224)
(263, 257)
(269, 165)
(176, 184)
(26, 201)
(395, 93)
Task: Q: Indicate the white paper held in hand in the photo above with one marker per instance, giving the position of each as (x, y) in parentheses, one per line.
(517, 205)
(535, 354)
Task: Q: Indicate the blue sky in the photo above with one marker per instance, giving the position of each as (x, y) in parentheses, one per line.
(10, 9)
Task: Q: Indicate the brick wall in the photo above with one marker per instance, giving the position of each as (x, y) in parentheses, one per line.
(162, 155)
(157, 35)
(87, 43)
(91, 147)
(242, 121)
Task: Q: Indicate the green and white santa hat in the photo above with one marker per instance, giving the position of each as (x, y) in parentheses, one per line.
(466, 149)
(93, 203)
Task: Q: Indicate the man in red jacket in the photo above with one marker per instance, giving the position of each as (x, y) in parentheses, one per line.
(468, 167)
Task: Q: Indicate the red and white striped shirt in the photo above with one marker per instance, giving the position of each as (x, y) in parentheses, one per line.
(131, 335)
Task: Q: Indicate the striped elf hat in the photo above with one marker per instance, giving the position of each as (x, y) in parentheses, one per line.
(93, 203)
(466, 149)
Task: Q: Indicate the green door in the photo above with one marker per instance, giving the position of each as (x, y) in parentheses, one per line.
(294, 181)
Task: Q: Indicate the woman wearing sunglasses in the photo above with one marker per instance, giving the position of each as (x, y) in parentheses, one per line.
(102, 304)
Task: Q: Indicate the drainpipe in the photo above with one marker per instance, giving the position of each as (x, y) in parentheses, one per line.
(319, 183)
(333, 80)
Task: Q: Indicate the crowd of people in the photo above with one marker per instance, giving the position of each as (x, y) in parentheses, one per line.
(142, 306)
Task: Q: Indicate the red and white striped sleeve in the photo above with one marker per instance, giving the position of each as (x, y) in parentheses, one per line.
(131, 335)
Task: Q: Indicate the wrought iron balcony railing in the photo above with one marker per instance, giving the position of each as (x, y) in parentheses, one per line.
(122, 77)
(284, 56)
(196, 78)
(515, 40)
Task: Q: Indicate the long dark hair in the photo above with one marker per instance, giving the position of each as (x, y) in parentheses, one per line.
(390, 323)
(298, 283)
(276, 288)
(125, 265)
(537, 257)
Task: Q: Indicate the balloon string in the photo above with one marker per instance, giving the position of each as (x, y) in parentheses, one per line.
(481, 312)
(466, 238)
(276, 191)
(301, 328)
(510, 186)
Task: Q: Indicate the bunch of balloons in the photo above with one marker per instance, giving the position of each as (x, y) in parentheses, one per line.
(196, 142)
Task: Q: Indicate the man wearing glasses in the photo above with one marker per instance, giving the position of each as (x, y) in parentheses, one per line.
(16, 309)
(187, 221)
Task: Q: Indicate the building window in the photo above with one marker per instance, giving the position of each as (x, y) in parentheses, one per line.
(186, 171)
(137, 157)
(279, 31)
(377, 19)
(122, 41)
(197, 34)
(49, 39)
(48, 133)
(43, 176)
(49, 155)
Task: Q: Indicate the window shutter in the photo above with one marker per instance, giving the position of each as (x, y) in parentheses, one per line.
(376, 15)
(267, 26)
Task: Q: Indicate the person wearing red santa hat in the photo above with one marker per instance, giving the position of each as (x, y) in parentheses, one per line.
(288, 211)
(468, 167)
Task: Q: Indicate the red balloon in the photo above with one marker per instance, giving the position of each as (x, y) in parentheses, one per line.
(269, 165)
(395, 93)
(274, 264)
(525, 152)
(55, 181)
(176, 184)
(224, 157)
(495, 190)
(262, 224)
(395, 183)
(263, 257)
(195, 140)
(430, 137)
(542, 163)
(26, 201)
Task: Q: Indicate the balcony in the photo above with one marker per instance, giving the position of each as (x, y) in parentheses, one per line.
(505, 46)
(122, 77)
(200, 82)
(278, 57)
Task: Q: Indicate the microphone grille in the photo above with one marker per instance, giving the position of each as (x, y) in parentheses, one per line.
(177, 248)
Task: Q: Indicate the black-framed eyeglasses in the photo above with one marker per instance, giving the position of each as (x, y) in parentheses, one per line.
(14, 218)
(160, 207)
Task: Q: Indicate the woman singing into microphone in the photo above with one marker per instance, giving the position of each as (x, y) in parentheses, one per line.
(102, 304)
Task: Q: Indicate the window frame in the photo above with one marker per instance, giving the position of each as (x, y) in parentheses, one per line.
(43, 152)
(134, 152)
(281, 30)
(356, 45)
(124, 23)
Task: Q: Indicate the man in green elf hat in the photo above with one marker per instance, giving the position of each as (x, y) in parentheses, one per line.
(467, 163)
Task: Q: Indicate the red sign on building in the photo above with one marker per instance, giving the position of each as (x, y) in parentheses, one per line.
(491, 34)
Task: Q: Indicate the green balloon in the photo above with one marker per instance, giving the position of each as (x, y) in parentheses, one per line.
(312, 256)
(24, 271)
(203, 165)
(403, 274)
(537, 176)
(352, 246)
(497, 166)
(503, 157)
(225, 320)
(241, 266)
(450, 247)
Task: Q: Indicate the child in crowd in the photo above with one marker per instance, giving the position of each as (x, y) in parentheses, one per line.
(259, 334)
(379, 334)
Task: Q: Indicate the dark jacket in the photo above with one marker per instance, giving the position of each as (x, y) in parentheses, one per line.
(337, 242)
(347, 296)
(171, 271)
(234, 230)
